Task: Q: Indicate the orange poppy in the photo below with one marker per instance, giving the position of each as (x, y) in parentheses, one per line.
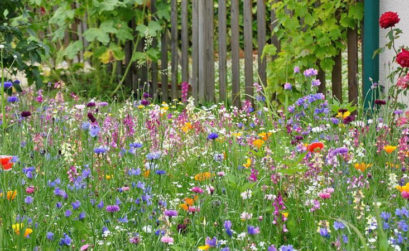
(315, 147)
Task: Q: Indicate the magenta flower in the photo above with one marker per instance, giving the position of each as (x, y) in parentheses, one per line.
(197, 190)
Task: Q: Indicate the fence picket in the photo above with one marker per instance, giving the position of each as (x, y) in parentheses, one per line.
(235, 52)
(164, 66)
(174, 48)
(248, 48)
(336, 78)
(222, 51)
(185, 45)
(261, 39)
(154, 71)
(195, 49)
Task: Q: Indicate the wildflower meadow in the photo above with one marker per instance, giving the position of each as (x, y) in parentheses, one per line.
(306, 173)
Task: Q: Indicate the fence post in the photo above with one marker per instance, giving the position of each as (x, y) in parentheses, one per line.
(154, 70)
(261, 37)
(164, 66)
(174, 45)
(202, 50)
(222, 51)
(248, 48)
(235, 52)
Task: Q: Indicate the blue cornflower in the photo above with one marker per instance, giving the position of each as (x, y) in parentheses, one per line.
(58, 205)
(402, 212)
(135, 145)
(76, 204)
(94, 130)
(134, 172)
(28, 200)
(212, 136)
(101, 150)
(50, 236)
(386, 216)
(227, 227)
(66, 240)
(251, 230)
(82, 216)
(160, 172)
(154, 155)
(324, 232)
(12, 99)
(100, 204)
(287, 248)
(123, 219)
(85, 126)
(338, 225)
(7, 84)
(68, 213)
(403, 226)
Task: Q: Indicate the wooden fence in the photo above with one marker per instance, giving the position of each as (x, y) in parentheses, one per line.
(190, 44)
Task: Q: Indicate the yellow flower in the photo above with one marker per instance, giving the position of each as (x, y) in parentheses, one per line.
(389, 148)
(391, 165)
(140, 106)
(108, 177)
(203, 176)
(146, 173)
(205, 247)
(187, 127)
(404, 188)
(343, 115)
(248, 163)
(236, 134)
(264, 135)
(258, 143)
(27, 232)
(362, 166)
(285, 214)
(17, 227)
(11, 195)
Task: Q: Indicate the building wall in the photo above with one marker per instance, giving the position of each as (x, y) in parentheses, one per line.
(385, 59)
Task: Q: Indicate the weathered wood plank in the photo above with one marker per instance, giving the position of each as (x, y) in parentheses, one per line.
(261, 39)
(185, 42)
(174, 48)
(164, 66)
(195, 49)
(209, 35)
(248, 48)
(235, 52)
(202, 50)
(222, 50)
(321, 76)
(352, 44)
(336, 77)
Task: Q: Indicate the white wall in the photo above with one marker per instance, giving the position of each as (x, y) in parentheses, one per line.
(385, 59)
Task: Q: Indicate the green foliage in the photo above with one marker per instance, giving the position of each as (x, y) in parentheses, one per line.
(21, 48)
(111, 25)
(311, 33)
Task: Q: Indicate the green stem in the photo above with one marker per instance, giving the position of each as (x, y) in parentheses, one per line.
(3, 113)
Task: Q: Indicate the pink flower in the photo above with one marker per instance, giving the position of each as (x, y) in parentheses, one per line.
(325, 195)
(221, 174)
(193, 209)
(197, 190)
(30, 189)
(405, 195)
(167, 239)
(85, 247)
(403, 82)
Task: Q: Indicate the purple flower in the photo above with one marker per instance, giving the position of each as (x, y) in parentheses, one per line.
(287, 248)
(50, 236)
(112, 208)
(324, 232)
(65, 241)
(68, 213)
(310, 72)
(12, 99)
(153, 155)
(316, 82)
(211, 242)
(25, 114)
(296, 69)
(100, 204)
(227, 227)
(145, 102)
(91, 104)
(94, 130)
(212, 136)
(160, 172)
(338, 225)
(28, 200)
(7, 84)
(171, 213)
(102, 104)
(82, 216)
(101, 150)
(251, 230)
(76, 204)
(272, 248)
(91, 117)
(287, 86)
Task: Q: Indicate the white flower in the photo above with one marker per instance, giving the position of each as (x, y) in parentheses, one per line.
(1, 46)
(246, 194)
(246, 216)
(147, 229)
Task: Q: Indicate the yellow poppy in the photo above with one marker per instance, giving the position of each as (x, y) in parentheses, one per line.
(248, 163)
(187, 127)
(205, 247)
(362, 166)
(203, 176)
(258, 143)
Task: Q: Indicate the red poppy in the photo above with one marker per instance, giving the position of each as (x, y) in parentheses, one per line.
(6, 163)
(315, 147)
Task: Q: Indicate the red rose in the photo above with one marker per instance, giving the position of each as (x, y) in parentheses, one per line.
(403, 58)
(389, 19)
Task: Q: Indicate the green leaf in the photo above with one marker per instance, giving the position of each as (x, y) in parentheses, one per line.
(108, 26)
(270, 50)
(93, 34)
(72, 50)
